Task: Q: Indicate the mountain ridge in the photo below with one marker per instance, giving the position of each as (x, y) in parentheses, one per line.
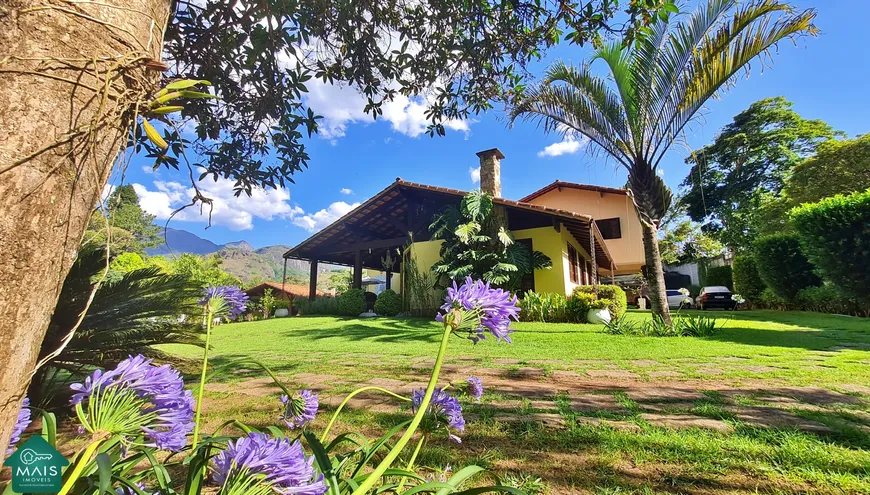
(239, 258)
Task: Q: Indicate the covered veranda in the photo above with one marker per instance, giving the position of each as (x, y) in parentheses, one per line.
(401, 214)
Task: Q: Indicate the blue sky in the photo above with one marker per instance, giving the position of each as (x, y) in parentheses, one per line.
(355, 157)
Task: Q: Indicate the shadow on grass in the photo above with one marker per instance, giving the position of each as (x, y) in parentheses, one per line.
(383, 330)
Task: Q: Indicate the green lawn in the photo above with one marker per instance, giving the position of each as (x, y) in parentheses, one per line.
(812, 369)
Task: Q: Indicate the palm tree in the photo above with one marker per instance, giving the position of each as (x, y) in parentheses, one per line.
(655, 87)
(127, 316)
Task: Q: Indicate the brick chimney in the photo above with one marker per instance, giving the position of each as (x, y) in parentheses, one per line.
(490, 171)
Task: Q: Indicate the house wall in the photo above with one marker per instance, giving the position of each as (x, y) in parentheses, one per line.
(555, 245)
(627, 251)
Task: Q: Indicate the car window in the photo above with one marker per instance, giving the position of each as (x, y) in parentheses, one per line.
(673, 292)
(716, 288)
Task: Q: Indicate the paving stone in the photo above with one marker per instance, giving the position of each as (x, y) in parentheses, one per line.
(645, 363)
(812, 395)
(760, 369)
(566, 375)
(611, 374)
(710, 371)
(544, 405)
(526, 373)
(861, 389)
(664, 393)
(506, 361)
(546, 361)
(591, 403)
(664, 374)
(730, 358)
(663, 407)
(387, 383)
(685, 421)
(619, 425)
(550, 420)
(772, 417)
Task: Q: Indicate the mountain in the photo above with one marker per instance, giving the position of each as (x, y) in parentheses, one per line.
(182, 241)
(243, 245)
(240, 258)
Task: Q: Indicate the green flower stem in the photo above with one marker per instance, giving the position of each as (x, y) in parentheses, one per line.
(80, 465)
(209, 318)
(412, 428)
(410, 465)
(351, 396)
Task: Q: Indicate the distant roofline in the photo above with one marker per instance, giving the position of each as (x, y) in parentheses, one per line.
(558, 184)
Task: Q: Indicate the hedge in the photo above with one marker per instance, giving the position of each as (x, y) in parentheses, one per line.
(352, 302)
(323, 305)
(719, 275)
(835, 235)
(618, 303)
(783, 266)
(747, 281)
(388, 303)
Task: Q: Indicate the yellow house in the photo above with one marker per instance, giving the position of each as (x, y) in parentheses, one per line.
(587, 231)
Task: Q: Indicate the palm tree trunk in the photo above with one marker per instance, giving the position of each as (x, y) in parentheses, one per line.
(70, 74)
(655, 275)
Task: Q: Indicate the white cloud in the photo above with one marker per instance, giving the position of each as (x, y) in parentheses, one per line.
(235, 213)
(148, 169)
(343, 105)
(475, 174)
(346, 191)
(661, 172)
(567, 146)
(316, 221)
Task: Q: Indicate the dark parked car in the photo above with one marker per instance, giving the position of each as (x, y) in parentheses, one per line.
(715, 296)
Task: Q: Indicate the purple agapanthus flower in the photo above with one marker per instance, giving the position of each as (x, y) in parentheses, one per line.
(126, 490)
(444, 411)
(300, 410)
(281, 462)
(21, 424)
(165, 407)
(234, 298)
(483, 308)
(475, 387)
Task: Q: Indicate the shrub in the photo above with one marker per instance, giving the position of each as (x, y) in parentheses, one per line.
(545, 307)
(579, 305)
(719, 275)
(770, 300)
(352, 302)
(618, 302)
(826, 299)
(783, 266)
(835, 236)
(747, 281)
(388, 303)
(324, 305)
(694, 291)
(600, 304)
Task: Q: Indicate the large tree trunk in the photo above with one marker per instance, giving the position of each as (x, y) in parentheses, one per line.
(71, 73)
(655, 275)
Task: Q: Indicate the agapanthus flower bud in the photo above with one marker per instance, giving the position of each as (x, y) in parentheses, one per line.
(300, 409)
(475, 387)
(277, 462)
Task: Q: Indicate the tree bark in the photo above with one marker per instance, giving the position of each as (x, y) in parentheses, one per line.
(655, 275)
(72, 74)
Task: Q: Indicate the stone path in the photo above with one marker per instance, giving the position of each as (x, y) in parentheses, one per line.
(595, 397)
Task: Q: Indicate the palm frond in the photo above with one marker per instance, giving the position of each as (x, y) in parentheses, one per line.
(128, 316)
(721, 53)
(552, 106)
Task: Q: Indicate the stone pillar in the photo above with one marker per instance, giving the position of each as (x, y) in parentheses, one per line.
(490, 171)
